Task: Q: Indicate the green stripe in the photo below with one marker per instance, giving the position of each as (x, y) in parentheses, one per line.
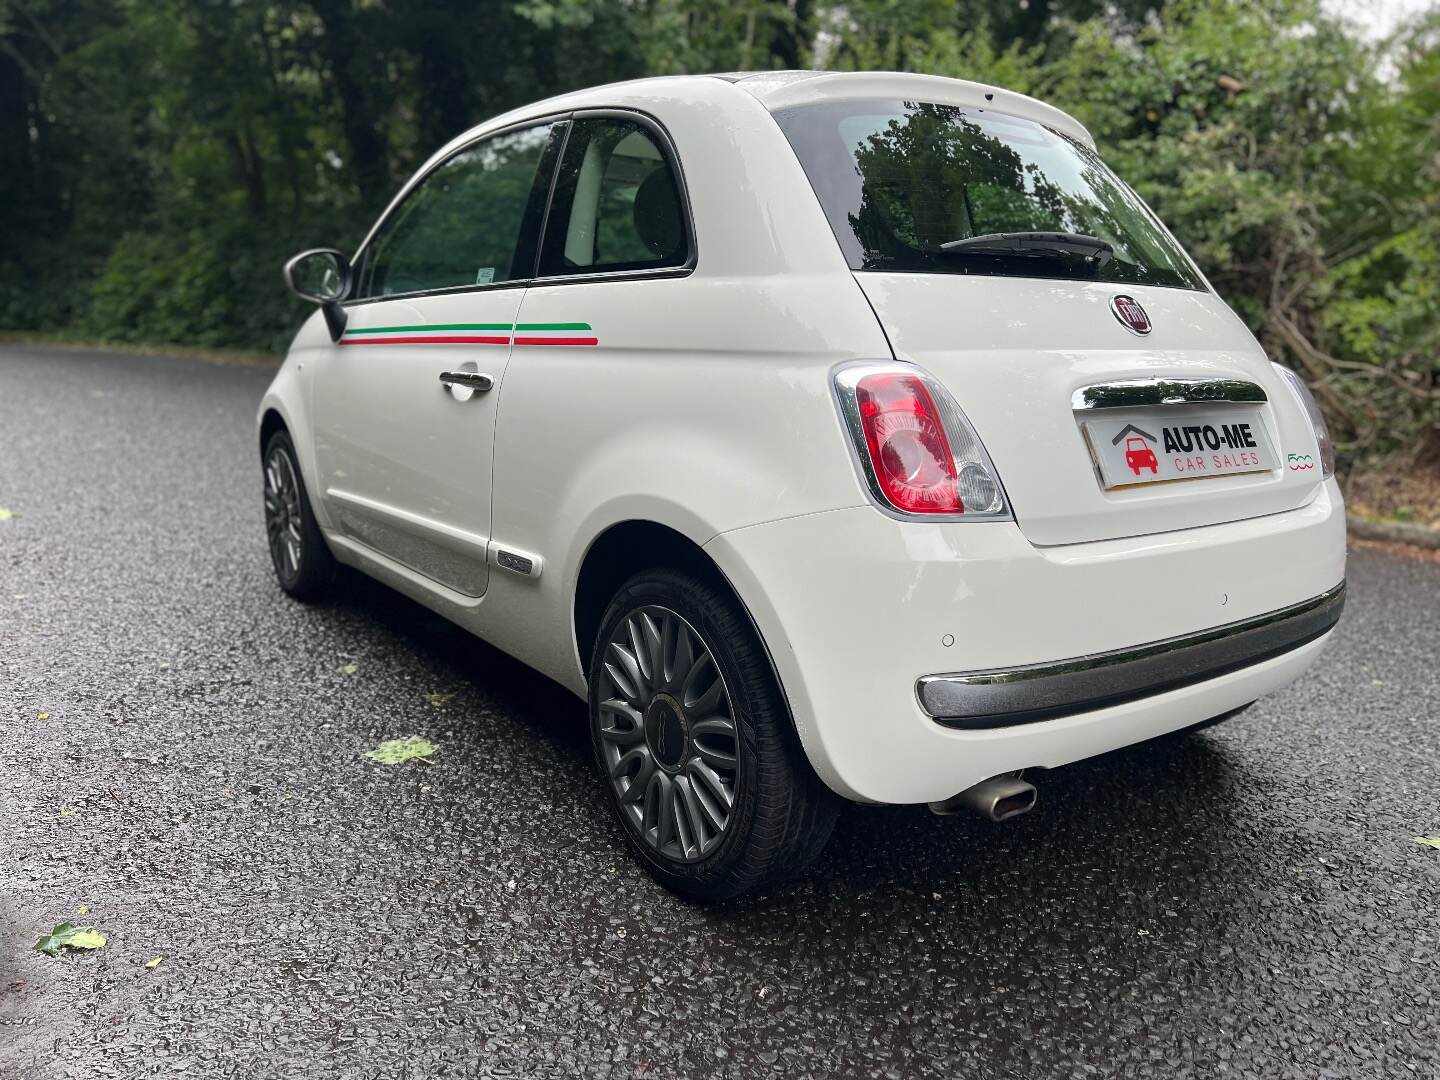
(552, 326)
(437, 326)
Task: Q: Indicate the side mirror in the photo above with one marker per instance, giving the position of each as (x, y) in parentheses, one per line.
(322, 276)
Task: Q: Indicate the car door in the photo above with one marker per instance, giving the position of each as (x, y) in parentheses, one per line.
(404, 404)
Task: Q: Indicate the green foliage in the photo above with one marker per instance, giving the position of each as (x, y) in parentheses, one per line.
(160, 160)
(210, 287)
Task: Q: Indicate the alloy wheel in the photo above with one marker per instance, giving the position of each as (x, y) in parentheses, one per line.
(667, 732)
(282, 512)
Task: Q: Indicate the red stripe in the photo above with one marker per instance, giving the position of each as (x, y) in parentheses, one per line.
(557, 341)
(456, 339)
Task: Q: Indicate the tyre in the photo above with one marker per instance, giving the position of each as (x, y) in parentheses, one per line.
(694, 742)
(302, 560)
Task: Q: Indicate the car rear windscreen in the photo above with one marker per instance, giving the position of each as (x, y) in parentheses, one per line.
(899, 179)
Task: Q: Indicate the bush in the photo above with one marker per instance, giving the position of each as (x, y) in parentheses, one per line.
(209, 287)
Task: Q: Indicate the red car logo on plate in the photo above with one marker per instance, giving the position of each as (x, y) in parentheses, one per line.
(1139, 456)
(1138, 452)
(1131, 315)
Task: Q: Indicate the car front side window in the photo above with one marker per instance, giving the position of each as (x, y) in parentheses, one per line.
(617, 205)
(471, 221)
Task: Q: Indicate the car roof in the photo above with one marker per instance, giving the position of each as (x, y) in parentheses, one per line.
(778, 90)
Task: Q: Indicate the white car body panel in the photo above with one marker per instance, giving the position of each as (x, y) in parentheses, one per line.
(1015, 374)
(862, 606)
(705, 405)
(710, 430)
(402, 465)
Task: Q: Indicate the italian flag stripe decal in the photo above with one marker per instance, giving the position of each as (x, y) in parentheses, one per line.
(575, 333)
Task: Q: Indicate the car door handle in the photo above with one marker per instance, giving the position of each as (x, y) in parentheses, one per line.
(472, 380)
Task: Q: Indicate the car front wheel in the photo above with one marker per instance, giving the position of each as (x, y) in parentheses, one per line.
(693, 738)
(302, 560)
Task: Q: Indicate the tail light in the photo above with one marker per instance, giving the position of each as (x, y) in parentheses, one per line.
(1316, 417)
(916, 451)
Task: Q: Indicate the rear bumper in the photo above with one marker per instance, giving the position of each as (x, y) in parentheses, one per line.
(857, 610)
(1025, 695)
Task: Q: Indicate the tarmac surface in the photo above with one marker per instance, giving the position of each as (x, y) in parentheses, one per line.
(181, 752)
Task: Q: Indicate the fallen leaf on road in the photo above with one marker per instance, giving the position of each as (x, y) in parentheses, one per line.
(347, 669)
(83, 909)
(1428, 841)
(6, 515)
(43, 716)
(22, 596)
(66, 936)
(398, 751)
(438, 700)
(68, 811)
(151, 965)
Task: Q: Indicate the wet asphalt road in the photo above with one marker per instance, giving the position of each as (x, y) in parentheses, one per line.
(1247, 902)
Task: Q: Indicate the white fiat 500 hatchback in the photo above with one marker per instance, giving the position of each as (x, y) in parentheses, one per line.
(837, 436)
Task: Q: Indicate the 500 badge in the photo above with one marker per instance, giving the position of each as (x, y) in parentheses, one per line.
(1296, 462)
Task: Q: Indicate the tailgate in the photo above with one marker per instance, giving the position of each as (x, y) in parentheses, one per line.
(1021, 356)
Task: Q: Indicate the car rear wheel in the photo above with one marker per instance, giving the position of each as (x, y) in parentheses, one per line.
(693, 739)
(302, 560)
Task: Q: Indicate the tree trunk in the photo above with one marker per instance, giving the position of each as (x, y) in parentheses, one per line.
(359, 115)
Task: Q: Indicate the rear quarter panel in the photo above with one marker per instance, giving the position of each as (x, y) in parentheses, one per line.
(705, 406)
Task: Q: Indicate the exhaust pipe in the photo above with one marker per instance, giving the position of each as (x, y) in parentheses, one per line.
(998, 799)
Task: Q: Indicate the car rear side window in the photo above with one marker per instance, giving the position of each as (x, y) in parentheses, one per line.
(617, 204)
(472, 221)
(899, 179)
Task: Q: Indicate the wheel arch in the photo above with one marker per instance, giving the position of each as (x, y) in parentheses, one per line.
(270, 422)
(626, 548)
(617, 554)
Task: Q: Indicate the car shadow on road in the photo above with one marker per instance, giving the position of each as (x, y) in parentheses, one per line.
(538, 704)
(1145, 820)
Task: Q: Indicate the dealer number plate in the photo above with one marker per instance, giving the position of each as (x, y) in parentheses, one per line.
(1137, 447)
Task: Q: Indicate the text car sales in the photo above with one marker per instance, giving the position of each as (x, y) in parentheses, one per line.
(1193, 439)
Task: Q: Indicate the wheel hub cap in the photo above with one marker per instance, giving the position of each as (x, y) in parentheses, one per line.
(667, 734)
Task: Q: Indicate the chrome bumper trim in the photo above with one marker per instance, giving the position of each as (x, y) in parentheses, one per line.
(1034, 692)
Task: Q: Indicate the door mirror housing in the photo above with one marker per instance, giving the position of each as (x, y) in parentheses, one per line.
(322, 276)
